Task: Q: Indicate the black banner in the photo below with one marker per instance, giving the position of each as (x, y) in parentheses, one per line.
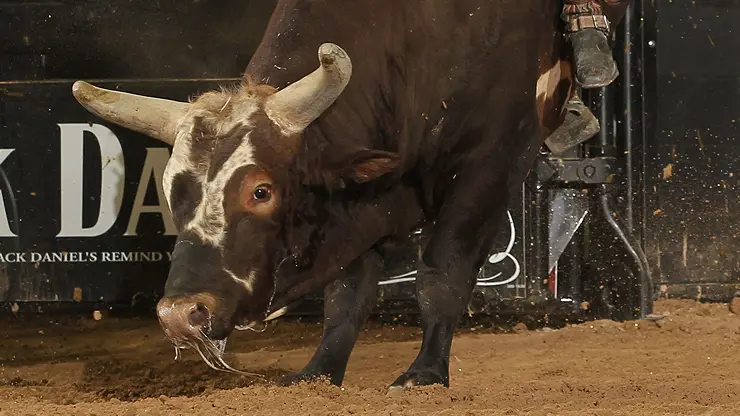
(84, 217)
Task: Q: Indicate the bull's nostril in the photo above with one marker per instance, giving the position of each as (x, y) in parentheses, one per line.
(199, 316)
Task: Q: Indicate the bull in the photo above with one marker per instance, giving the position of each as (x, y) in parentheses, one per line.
(419, 113)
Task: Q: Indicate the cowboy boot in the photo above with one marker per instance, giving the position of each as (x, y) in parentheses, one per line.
(586, 29)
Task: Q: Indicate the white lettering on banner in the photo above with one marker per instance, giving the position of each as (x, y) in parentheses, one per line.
(86, 257)
(133, 256)
(112, 183)
(13, 257)
(5, 230)
(72, 171)
(154, 164)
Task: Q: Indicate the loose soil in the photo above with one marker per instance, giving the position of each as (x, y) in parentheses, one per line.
(685, 364)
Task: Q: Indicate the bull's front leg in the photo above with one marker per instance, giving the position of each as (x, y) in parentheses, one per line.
(461, 237)
(348, 302)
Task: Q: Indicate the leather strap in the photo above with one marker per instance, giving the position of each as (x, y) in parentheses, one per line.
(584, 14)
(576, 23)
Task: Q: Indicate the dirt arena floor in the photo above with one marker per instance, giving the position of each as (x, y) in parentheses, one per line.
(686, 364)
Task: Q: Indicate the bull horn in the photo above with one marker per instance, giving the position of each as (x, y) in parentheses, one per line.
(154, 117)
(299, 104)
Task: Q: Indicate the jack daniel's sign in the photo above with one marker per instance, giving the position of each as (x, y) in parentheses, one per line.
(112, 176)
(82, 209)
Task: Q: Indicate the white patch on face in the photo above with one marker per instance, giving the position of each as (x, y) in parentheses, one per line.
(247, 283)
(209, 221)
(179, 162)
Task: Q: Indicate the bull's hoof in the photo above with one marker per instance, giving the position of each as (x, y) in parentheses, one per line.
(414, 379)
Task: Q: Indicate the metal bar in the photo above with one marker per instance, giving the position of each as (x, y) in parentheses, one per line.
(634, 250)
(541, 240)
(606, 116)
(600, 101)
(648, 14)
(627, 122)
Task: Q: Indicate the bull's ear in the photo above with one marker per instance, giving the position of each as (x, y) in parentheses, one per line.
(367, 165)
(336, 166)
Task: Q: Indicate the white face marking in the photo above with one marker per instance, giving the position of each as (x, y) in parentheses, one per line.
(247, 282)
(177, 164)
(209, 221)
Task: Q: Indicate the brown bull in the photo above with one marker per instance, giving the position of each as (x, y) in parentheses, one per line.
(421, 112)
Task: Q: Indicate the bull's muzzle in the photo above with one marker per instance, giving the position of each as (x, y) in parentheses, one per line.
(185, 318)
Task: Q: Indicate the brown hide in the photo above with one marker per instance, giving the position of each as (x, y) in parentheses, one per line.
(428, 75)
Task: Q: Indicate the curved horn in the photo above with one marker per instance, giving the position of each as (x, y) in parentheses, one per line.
(297, 105)
(155, 117)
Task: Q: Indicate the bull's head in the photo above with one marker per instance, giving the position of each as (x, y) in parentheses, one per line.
(227, 184)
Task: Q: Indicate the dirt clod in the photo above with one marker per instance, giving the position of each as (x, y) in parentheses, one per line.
(520, 327)
(735, 305)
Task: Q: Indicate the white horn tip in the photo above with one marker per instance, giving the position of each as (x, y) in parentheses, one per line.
(79, 85)
(81, 90)
(333, 56)
(331, 49)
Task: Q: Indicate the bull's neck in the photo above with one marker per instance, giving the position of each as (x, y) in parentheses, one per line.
(288, 52)
(392, 213)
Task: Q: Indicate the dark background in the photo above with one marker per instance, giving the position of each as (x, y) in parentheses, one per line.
(693, 207)
(129, 38)
(690, 228)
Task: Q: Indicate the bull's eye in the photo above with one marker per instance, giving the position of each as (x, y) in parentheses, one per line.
(262, 193)
(257, 194)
